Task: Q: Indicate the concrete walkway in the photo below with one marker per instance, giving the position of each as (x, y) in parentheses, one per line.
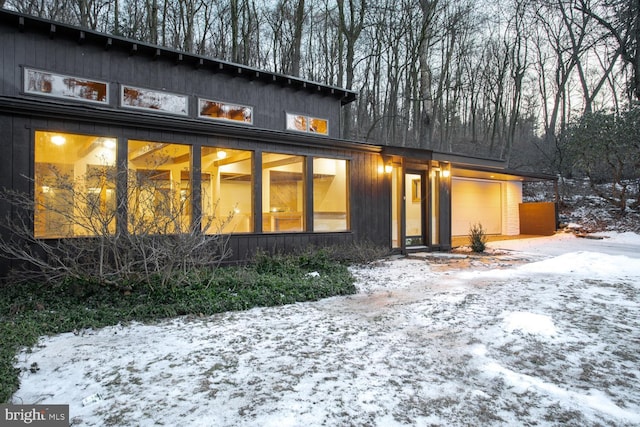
(457, 241)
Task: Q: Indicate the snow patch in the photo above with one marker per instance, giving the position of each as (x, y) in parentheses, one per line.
(529, 323)
(586, 264)
(416, 346)
(594, 401)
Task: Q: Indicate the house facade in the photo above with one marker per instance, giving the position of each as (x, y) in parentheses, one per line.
(144, 136)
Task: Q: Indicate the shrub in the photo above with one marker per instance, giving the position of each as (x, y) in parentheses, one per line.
(477, 238)
(150, 249)
(363, 252)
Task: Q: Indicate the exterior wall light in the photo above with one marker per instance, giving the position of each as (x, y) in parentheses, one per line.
(446, 173)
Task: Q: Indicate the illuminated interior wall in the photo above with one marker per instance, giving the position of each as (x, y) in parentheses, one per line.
(413, 204)
(227, 190)
(283, 192)
(434, 191)
(396, 192)
(330, 195)
(159, 187)
(74, 186)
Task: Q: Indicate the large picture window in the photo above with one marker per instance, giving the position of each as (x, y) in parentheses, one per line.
(330, 195)
(74, 185)
(159, 187)
(75, 189)
(283, 192)
(227, 190)
(63, 86)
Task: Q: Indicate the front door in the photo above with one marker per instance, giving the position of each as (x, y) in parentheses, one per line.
(415, 197)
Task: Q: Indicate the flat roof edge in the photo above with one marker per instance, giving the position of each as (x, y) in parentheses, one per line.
(483, 172)
(463, 159)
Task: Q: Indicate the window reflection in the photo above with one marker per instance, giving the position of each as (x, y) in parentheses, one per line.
(159, 187)
(225, 111)
(147, 99)
(62, 86)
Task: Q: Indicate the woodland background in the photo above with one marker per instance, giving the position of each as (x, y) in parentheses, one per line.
(547, 85)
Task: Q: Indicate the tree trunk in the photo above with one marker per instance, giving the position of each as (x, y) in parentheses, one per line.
(297, 38)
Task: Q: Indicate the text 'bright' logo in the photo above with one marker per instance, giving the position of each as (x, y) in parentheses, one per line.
(37, 415)
(26, 416)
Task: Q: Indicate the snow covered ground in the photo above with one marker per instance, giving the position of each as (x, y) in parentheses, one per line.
(537, 332)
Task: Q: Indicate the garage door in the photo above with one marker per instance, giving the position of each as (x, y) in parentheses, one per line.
(475, 201)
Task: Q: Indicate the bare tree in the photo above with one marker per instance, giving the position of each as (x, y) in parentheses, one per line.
(298, 23)
(428, 10)
(519, 63)
(351, 24)
(286, 22)
(621, 20)
(152, 20)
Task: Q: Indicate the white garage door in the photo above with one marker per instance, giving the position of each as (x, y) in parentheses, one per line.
(475, 201)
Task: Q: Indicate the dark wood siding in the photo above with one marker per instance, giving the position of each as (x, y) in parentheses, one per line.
(370, 201)
(369, 191)
(117, 66)
(445, 213)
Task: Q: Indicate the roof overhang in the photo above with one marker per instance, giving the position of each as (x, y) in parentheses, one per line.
(486, 168)
(458, 171)
(463, 166)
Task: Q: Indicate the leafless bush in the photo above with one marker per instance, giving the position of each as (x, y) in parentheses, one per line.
(147, 234)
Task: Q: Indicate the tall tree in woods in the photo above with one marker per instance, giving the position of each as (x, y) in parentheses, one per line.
(298, 22)
(428, 10)
(286, 22)
(621, 21)
(245, 31)
(516, 44)
(351, 22)
(152, 20)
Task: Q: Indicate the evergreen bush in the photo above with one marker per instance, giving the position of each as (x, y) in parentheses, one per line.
(477, 238)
